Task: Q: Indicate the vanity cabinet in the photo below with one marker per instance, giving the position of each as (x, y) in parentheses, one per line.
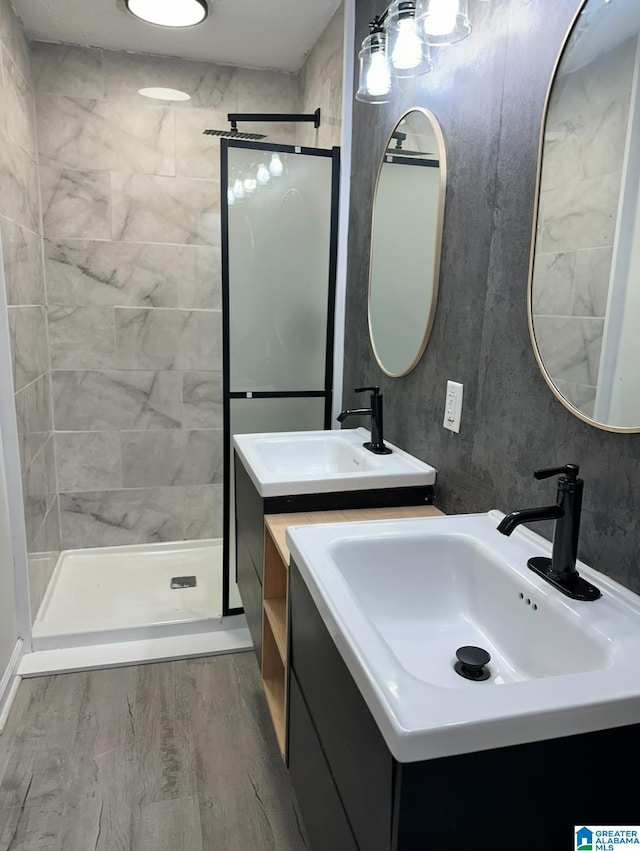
(528, 796)
(275, 596)
(251, 507)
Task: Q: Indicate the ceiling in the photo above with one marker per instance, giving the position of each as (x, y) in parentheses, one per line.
(277, 34)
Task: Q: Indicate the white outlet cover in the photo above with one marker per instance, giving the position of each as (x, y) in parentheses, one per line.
(453, 406)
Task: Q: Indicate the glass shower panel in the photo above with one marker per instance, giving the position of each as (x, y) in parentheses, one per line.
(279, 218)
(279, 249)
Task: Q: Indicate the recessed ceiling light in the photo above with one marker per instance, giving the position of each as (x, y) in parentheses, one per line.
(169, 13)
(164, 94)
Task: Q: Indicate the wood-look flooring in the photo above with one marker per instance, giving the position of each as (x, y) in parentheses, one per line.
(176, 756)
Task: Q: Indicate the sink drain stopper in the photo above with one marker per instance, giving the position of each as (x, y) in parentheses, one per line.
(471, 663)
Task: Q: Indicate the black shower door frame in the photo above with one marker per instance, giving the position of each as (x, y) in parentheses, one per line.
(227, 394)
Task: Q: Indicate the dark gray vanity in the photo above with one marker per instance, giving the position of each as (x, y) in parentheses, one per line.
(355, 795)
(251, 508)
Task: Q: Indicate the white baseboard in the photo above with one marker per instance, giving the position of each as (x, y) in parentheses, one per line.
(70, 659)
(9, 683)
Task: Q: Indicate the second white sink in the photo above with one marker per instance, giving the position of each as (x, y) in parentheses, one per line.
(326, 461)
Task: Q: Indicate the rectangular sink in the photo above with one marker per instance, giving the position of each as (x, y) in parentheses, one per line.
(459, 594)
(314, 456)
(399, 598)
(324, 462)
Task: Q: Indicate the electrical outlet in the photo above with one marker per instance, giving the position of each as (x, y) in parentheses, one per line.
(453, 406)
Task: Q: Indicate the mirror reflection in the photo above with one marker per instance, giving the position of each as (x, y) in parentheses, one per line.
(405, 242)
(584, 298)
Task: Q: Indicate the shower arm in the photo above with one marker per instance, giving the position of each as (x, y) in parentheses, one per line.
(253, 117)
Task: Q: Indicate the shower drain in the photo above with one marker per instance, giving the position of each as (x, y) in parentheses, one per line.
(183, 582)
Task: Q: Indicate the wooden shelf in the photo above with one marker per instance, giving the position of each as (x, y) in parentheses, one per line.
(275, 694)
(276, 524)
(275, 610)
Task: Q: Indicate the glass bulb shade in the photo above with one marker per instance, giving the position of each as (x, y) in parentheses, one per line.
(262, 175)
(443, 21)
(275, 166)
(238, 189)
(375, 82)
(169, 13)
(406, 46)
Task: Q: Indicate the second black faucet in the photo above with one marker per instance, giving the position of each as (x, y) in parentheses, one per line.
(376, 444)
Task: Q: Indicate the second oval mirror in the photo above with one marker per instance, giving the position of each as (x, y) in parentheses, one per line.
(584, 288)
(406, 236)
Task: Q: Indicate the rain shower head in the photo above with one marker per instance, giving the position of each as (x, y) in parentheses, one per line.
(271, 118)
(234, 133)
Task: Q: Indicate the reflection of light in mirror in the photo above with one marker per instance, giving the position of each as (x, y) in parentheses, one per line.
(407, 52)
(378, 77)
(262, 176)
(231, 198)
(238, 189)
(275, 166)
(250, 185)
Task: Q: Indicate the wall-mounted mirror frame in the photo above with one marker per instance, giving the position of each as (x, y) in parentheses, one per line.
(401, 310)
(582, 357)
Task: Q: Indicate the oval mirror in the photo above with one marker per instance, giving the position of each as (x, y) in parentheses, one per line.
(584, 286)
(405, 242)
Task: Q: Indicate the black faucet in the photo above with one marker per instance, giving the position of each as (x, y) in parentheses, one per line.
(376, 444)
(560, 569)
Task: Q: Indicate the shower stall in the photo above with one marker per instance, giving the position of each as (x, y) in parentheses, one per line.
(278, 247)
(133, 361)
(123, 376)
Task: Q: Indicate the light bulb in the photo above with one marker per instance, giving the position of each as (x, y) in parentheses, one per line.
(442, 17)
(378, 77)
(250, 185)
(407, 52)
(275, 166)
(262, 175)
(238, 189)
(231, 198)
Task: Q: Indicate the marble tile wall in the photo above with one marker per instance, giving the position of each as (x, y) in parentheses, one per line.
(131, 217)
(21, 236)
(584, 147)
(321, 86)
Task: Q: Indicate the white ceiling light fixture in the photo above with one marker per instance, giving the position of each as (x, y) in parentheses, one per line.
(169, 13)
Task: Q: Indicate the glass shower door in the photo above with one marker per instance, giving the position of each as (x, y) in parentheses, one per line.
(279, 236)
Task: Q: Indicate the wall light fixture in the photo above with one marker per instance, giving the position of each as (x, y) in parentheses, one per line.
(169, 13)
(400, 41)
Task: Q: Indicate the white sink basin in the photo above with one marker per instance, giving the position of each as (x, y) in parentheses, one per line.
(325, 461)
(401, 596)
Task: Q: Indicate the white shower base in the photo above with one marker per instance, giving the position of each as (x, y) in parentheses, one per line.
(123, 594)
